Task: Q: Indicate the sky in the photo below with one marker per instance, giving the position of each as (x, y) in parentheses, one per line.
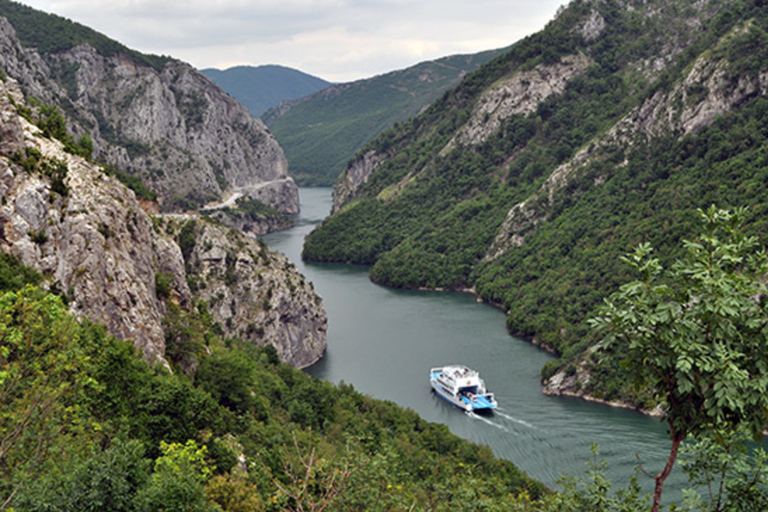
(337, 40)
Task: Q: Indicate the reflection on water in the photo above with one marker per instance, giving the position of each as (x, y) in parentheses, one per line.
(384, 342)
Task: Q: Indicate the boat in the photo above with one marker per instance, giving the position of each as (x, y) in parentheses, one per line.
(462, 387)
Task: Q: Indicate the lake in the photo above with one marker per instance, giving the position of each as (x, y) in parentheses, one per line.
(384, 342)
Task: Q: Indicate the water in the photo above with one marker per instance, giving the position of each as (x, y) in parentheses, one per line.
(384, 342)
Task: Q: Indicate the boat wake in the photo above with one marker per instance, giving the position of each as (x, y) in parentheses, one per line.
(513, 419)
(487, 421)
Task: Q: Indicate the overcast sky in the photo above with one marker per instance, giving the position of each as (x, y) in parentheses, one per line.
(338, 40)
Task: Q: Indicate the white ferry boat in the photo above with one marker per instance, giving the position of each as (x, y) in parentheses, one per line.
(462, 387)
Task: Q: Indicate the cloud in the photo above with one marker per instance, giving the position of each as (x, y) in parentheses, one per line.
(339, 40)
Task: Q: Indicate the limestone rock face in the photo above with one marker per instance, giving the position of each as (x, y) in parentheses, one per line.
(520, 93)
(354, 177)
(706, 92)
(255, 294)
(90, 238)
(171, 127)
(93, 242)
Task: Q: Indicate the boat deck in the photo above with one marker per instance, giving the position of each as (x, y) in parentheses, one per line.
(480, 402)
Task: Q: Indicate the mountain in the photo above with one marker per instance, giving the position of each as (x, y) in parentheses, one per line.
(321, 133)
(528, 182)
(155, 118)
(263, 87)
(90, 239)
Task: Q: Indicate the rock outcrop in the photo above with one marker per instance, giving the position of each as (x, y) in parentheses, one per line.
(355, 176)
(168, 125)
(90, 238)
(519, 94)
(253, 293)
(708, 90)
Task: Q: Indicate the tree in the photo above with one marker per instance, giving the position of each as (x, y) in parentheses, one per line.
(42, 363)
(731, 475)
(593, 493)
(178, 482)
(104, 480)
(697, 334)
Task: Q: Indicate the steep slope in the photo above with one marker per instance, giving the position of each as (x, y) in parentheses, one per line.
(154, 117)
(528, 181)
(89, 237)
(260, 88)
(322, 132)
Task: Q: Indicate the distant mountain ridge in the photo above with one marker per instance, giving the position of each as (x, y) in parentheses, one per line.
(321, 133)
(262, 87)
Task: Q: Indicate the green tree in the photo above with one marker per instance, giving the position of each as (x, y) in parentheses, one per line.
(105, 480)
(178, 482)
(697, 334)
(730, 475)
(42, 366)
(594, 492)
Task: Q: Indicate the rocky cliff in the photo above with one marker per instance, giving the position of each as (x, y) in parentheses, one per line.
(518, 94)
(254, 294)
(167, 124)
(91, 239)
(709, 89)
(354, 177)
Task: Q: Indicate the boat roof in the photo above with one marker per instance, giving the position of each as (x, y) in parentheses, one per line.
(451, 368)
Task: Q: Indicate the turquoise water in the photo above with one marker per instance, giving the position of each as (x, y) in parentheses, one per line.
(384, 342)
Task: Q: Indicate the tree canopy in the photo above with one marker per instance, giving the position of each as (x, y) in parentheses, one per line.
(696, 334)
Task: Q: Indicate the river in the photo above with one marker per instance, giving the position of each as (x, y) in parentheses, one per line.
(384, 342)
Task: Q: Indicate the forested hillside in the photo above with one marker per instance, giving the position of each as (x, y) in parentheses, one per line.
(262, 87)
(322, 132)
(528, 181)
(88, 425)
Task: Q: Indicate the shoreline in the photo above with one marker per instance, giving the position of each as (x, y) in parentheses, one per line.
(558, 384)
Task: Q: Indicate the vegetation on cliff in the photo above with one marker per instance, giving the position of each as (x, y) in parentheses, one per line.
(535, 214)
(49, 33)
(322, 132)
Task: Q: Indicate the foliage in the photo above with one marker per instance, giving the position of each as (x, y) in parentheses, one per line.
(178, 481)
(697, 337)
(729, 470)
(107, 480)
(428, 217)
(14, 274)
(49, 33)
(184, 338)
(594, 492)
(321, 133)
(54, 126)
(132, 182)
(110, 429)
(42, 374)
(54, 169)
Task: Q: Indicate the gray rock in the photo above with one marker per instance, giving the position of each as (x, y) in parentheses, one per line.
(99, 247)
(255, 294)
(173, 128)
